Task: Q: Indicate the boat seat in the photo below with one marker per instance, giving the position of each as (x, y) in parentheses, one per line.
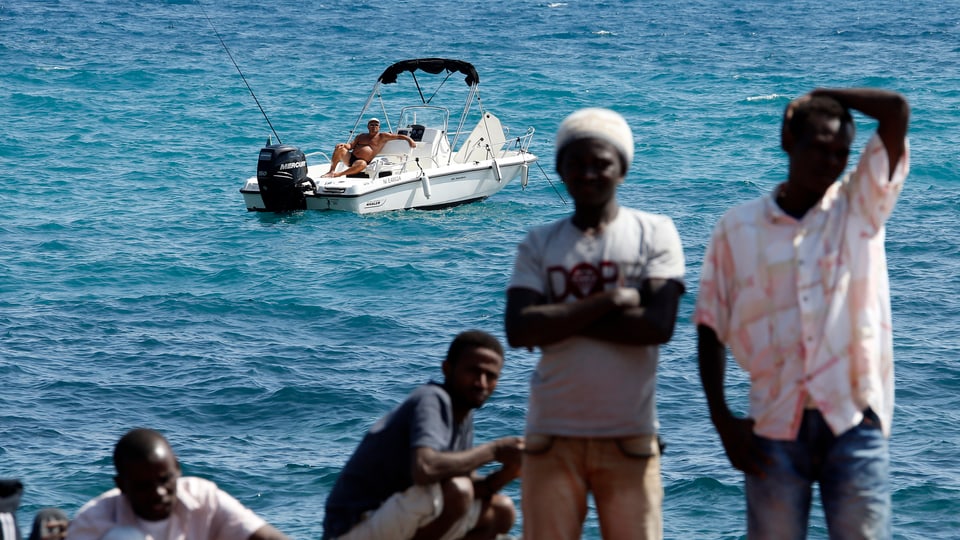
(427, 145)
(395, 152)
(394, 148)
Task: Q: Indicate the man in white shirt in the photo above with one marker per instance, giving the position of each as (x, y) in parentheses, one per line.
(598, 293)
(154, 498)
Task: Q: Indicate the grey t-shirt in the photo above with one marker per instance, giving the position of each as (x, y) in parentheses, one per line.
(380, 466)
(585, 387)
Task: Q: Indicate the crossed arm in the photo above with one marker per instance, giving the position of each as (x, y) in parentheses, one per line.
(621, 315)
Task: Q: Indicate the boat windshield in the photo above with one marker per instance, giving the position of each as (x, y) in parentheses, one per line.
(427, 116)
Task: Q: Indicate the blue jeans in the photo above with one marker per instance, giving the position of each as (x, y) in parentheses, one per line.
(851, 469)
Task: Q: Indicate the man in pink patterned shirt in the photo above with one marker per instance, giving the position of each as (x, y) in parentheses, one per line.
(795, 284)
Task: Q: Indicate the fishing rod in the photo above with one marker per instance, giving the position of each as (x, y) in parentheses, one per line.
(264, 113)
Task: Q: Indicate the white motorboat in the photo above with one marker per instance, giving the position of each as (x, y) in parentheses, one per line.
(446, 168)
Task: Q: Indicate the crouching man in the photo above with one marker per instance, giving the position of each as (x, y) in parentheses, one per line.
(413, 476)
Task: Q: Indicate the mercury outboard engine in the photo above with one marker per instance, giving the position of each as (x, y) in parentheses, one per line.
(282, 176)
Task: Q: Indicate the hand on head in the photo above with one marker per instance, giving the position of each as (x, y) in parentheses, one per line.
(794, 104)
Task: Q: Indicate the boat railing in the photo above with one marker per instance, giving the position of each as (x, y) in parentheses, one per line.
(326, 158)
(425, 162)
(521, 143)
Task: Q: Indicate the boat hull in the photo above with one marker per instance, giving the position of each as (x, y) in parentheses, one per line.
(432, 189)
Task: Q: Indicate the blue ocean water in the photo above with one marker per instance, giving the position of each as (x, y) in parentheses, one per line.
(136, 290)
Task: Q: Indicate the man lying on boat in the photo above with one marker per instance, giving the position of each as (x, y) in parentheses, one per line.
(356, 155)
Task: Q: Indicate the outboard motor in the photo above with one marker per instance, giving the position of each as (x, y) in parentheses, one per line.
(282, 176)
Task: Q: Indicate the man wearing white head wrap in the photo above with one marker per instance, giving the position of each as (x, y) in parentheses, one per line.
(597, 123)
(598, 293)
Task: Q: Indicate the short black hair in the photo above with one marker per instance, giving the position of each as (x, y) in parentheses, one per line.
(469, 340)
(815, 105)
(137, 445)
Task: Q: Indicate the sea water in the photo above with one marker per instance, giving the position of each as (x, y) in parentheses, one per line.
(136, 290)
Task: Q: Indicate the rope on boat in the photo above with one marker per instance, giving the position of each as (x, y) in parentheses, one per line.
(551, 183)
(443, 82)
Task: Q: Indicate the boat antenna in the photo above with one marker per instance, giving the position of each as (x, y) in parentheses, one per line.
(240, 72)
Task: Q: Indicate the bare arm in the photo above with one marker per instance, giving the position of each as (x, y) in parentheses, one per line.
(890, 109)
(712, 360)
(511, 458)
(736, 434)
(394, 136)
(650, 323)
(267, 532)
(531, 322)
(348, 145)
(430, 466)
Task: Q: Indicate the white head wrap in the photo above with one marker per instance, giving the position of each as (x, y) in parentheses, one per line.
(597, 123)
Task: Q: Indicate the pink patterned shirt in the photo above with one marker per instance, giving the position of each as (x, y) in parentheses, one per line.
(804, 306)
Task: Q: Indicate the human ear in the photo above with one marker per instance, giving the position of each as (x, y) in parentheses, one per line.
(786, 138)
(786, 135)
(445, 367)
